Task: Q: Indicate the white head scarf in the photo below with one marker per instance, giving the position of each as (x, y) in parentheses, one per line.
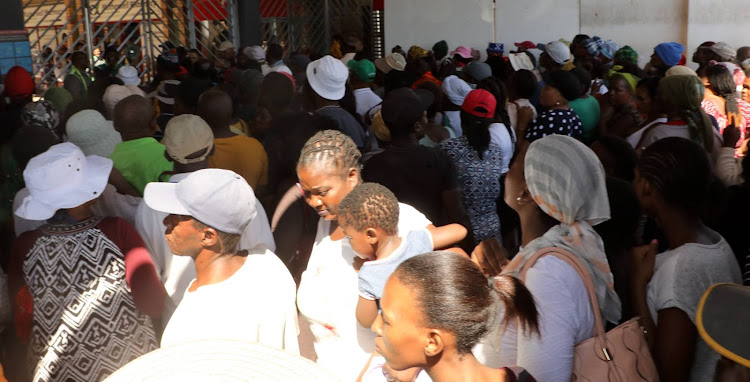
(456, 89)
(567, 181)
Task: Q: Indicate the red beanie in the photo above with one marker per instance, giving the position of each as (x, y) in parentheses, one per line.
(18, 83)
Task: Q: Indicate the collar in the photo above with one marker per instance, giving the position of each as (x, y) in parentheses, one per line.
(138, 143)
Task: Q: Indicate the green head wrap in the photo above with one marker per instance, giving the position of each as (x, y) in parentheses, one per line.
(626, 53)
(686, 93)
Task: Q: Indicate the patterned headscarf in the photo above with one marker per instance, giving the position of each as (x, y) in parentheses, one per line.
(686, 93)
(41, 114)
(417, 52)
(626, 53)
(609, 48)
(567, 181)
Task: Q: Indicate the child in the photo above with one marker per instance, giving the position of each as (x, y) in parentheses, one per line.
(369, 218)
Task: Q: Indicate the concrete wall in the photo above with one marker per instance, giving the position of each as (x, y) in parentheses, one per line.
(639, 23)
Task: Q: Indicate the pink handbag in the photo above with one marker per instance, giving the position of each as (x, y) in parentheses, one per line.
(620, 355)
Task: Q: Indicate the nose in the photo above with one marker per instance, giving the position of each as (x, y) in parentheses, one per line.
(377, 326)
(168, 223)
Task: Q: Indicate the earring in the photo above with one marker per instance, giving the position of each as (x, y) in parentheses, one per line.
(518, 199)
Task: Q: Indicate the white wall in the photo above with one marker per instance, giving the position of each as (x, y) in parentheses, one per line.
(639, 23)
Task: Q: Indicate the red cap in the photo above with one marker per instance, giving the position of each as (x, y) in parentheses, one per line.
(683, 60)
(18, 83)
(480, 103)
(526, 45)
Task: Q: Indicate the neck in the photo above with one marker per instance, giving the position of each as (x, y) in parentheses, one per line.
(357, 84)
(679, 227)
(180, 168)
(405, 141)
(387, 246)
(222, 131)
(212, 267)
(80, 213)
(135, 135)
(321, 102)
(459, 368)
(533, 225)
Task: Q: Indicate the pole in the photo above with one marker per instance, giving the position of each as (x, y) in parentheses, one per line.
(89, 34)
(327, 24)
(191, 23)
(494, 21)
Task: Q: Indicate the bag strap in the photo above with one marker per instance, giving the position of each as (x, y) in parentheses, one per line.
(585, 276)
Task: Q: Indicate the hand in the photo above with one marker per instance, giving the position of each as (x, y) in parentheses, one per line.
(731, 136)
(642, 263)
(490, 256)
(596, 86)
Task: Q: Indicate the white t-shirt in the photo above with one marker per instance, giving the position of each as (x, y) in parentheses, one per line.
(681, 276)
(255, 304)
(666, 130)
(176, 272)
(454, 118)
(500, 136)
(636, 137)
(110, 203)
(367, 101)
(565, 319)
(328, 296)
(512, 109)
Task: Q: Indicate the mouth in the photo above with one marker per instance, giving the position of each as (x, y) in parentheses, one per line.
(323, 213)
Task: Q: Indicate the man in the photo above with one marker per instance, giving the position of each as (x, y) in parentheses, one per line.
(361, 81)
(166, 94)
(139, 158)
(555, 56)
(189, 143)
(327, 79)
(245, 295)
(243, 155)
(275, 60)
(111, 63)
(78, 81)
(226, 55)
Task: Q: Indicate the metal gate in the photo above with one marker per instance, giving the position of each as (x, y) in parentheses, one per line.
(140, 29)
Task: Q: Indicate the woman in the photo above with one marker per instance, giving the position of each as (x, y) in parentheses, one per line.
(672, 185)
(501, 132)
(436, 130)
(621, 118)
(436, 307)
(328, 169)
(561, 88)
(478, 164)
(521, 88)
(680, 98)
(546, 186)
(91, 279)
(586, 106)
(646, 102)
(721, 102)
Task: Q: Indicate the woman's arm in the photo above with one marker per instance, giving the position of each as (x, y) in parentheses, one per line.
(674, 345)
(447, 235)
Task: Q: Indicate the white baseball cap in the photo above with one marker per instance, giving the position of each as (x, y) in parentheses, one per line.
(327, 76)
(226, 45)
(62, 177)
(129, 75)
(186, 134)
(255, 53)
(218, 198)
(558, 52)
(116, 93)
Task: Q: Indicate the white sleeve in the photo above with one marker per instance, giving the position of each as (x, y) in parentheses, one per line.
(410, 219)
(258, 231)
(564, 318)
(150, 226)
(728, 168)
(281, 316)
(500, 136)
(112, 203)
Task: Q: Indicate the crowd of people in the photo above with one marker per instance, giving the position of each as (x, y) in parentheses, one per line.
(428, 215)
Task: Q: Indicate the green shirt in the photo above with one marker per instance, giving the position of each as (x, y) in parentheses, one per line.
(140, 161)
(588, 112)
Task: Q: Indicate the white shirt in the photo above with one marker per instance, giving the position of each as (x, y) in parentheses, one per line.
(636, 137)
(512, 109)
(500, 136)
(454, 117)
(328, 295)
(367, 101)
(255, 304)
(681, 276)
(565, 319)
(176, 272)
(110, 203)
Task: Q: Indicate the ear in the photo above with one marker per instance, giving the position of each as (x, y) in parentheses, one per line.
(209, 237)
(352, 177)
(435, 342)
(372, 236)
(525, 197)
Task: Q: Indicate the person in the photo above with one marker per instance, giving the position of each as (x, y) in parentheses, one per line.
(560, 88)
(555, 56)
(275, 60)
(621, 119)
(586, 106)
(720, 321)
(243, 155)
(99, 265)
(617, 157)
(665, 56)
(501, 132)
(393, 61)
(521, 87)
(721, 102)
(276, 94)
(672, 182)
(475, 72)
(680, 98)
(478, 164)
(116, 93)
(731, 226)
(140, 157)
(455, 90)
(437, 306)
(226, 57)
(543, 187)
(325, 87)
(111, 65)
(165, 95)
(189, 92)
(328, 169)
(722, 52)
(189, 143)
(244, 295)
(701, 55)
(408, 169)
(648, 106)
(78, 81)
(578, 49)
(129, 75)
(436, 131)
(368, 216)
(363, 76)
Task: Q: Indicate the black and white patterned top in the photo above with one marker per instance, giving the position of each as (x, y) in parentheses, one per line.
(479, 182)
(563, 122)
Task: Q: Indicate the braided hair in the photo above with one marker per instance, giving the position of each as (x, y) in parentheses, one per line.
(370, 205)
(331, 148)
(679, 170)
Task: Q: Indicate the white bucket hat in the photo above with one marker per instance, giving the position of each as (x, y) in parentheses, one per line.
(218, 198)
(93, 134)
(327, 76)
(116, 93)
(129, 75)
(456, 89)
(62, 177)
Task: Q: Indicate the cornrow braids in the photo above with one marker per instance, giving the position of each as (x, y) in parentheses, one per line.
(331, 148)
(371, 205)
(679, 170)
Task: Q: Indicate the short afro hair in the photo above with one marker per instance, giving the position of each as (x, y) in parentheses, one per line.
(370, 205)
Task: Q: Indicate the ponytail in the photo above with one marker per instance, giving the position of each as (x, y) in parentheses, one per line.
(519, 304)
(477, 132)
